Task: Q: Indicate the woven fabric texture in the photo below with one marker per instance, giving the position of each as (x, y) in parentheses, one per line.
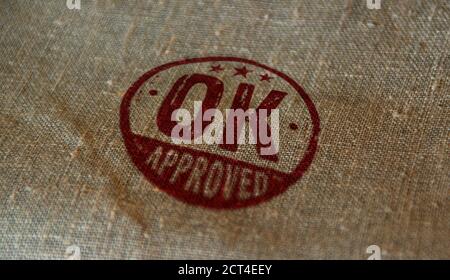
(379, 78)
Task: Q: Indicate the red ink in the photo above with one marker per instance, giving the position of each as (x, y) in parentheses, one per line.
(219, 180)
(178, 93)
(243, 71)
(265, 77)
(216, 68)
(293, 126)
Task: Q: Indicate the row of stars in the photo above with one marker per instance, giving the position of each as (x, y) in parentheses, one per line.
(243, 71)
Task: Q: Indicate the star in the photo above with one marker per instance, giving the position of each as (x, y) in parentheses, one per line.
(216, 68)
(265, 77)
(241, 71)
(293, 126)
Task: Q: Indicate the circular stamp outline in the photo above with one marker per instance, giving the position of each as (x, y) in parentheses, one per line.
(288, 180)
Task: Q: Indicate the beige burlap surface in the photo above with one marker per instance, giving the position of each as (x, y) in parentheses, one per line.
(380, 80)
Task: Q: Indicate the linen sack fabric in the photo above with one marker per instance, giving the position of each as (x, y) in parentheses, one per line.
(379, 79)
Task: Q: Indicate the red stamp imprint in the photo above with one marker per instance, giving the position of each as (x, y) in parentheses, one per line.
(223, 174)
